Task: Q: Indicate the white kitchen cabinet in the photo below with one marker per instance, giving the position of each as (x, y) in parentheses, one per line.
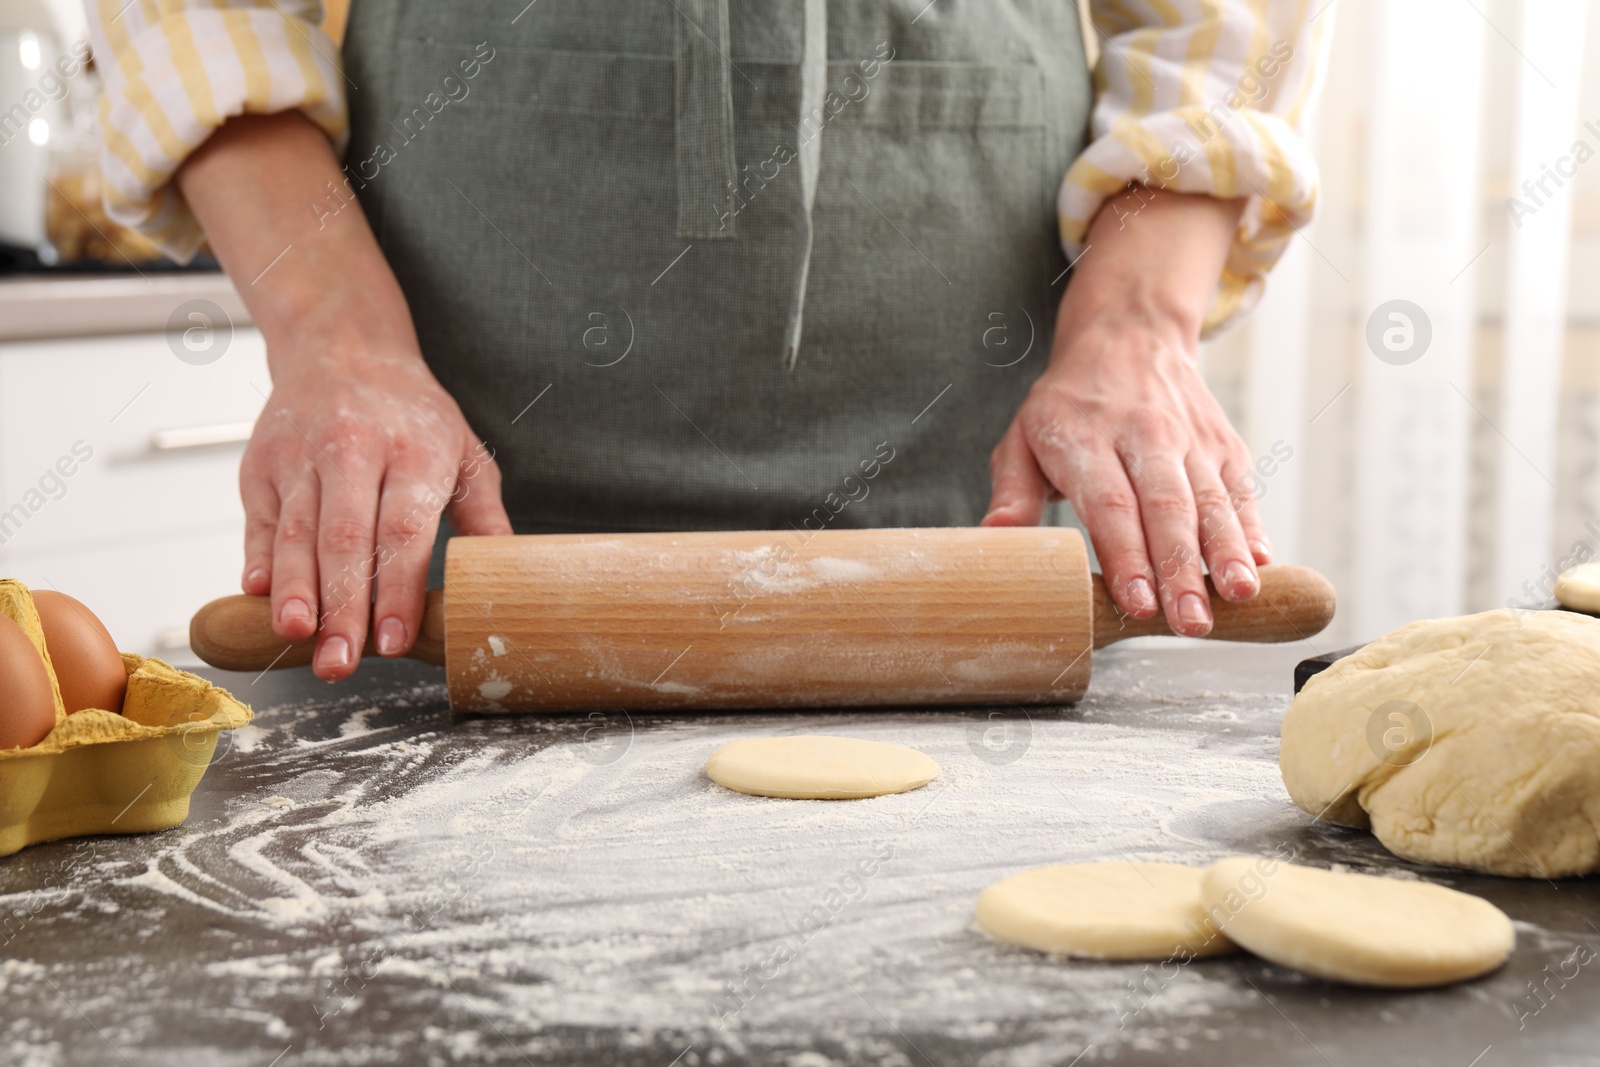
(145, 589)
(119, 476)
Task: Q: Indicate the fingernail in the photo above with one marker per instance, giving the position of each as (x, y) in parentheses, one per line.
(1238, 577)
(391, 636)
(1192, 611)
(333, 654)
(255, 576)
(1262, 550)
(1142, 593)
(295, 610)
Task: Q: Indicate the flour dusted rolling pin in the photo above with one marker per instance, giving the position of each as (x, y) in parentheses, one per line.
(764, 619)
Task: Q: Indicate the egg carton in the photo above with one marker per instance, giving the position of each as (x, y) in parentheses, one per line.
(98, 772)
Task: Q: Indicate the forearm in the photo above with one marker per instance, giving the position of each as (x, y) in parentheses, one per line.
(349, 468)
(1153, 260)
(1225, 86)
(304, 260)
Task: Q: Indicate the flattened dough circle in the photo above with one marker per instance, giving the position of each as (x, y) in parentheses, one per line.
(817, 767)
(1354, 927)
(1106, 911)
(1578, 588)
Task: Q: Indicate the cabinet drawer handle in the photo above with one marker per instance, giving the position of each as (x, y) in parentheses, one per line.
(222, 433)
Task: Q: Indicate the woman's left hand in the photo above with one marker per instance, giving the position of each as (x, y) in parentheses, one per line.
(1121, 422)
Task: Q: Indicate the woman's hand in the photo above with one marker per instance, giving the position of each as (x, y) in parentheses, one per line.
(353, 460)
(359, 449)
(1122, 425)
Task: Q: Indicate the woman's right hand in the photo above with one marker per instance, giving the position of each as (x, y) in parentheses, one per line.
(354, 458)
(359, 448)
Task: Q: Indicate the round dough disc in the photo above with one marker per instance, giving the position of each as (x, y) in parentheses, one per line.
(1354, 927)
(1578, 588)
(1119, 910)
(1469, 742)
(815, 767)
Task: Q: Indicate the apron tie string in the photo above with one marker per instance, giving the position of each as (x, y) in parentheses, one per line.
(704, 122)
(813, 78)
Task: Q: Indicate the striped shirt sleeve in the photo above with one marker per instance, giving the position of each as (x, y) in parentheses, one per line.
(175, 70)
(1205, 96)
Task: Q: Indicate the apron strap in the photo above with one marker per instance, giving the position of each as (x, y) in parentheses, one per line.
(707, 171)
(813, 76)
(707, 174)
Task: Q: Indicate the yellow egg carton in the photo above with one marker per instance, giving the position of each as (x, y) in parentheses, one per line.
(98, 772)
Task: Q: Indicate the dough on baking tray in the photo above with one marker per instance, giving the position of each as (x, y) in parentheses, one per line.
(1578, 588)
(1354, 927)
(816, 767)
(1471, 742)
(1116, 910)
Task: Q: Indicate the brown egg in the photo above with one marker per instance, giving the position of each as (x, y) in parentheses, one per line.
(27, 707)
(88, 666)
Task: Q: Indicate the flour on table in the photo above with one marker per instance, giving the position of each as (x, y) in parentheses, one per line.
(528, 875)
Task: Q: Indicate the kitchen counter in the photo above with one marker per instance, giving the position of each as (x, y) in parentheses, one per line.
(37, 306)
(365, 878)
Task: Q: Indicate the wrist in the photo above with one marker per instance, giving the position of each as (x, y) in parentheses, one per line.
(334, 312)
(1134, 302)
(1153, 263)
(320, 357)
(1123, 325)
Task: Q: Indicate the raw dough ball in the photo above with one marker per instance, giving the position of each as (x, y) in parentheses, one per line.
(811, 767)
(1578, 588)
(1472, 742)
(1354, 927)
(1105, 911)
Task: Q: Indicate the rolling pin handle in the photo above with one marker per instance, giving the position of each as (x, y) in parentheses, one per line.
(1294, 603)
(235, 634)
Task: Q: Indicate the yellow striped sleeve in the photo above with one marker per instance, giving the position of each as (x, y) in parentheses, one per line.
(175, 70)
(1206, 96)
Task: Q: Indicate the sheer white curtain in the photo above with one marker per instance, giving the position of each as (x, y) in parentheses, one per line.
(1430, 348)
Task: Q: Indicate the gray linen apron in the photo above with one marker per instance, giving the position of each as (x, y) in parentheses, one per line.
(707, 264)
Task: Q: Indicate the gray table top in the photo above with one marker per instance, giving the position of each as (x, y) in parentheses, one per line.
(365, 878)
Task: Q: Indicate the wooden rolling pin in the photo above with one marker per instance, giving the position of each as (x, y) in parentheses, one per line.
(763, 619)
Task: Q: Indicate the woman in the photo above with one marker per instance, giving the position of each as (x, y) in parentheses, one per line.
(601, 265)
